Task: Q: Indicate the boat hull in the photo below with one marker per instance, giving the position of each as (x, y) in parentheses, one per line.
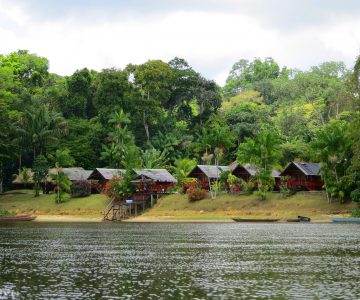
(18, 218)
(255, 220)
(345, 220)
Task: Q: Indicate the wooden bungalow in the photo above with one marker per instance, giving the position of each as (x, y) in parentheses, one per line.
(100, 176)
(205, 173)
(150, 184)
(246, 171)
(156, 181)
(304, 176)
(74, 174)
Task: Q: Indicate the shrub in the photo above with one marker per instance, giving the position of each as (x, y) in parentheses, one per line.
(249, 186)
(81, 188)
(119, 188)
(196, 194)
(356, 212)
(4, 213)
(355, 196)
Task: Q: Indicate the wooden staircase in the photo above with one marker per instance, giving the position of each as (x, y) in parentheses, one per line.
(118, 210)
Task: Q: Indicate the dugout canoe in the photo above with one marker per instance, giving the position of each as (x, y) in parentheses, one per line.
(255, 220)
(18, 218)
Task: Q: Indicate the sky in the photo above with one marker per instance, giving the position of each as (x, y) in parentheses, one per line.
(210, 34)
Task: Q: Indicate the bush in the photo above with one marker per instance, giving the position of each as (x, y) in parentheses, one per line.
(4, 213)
(119, 188)
(356, 212)
(355, 196)
(81, 188)
(196, 194)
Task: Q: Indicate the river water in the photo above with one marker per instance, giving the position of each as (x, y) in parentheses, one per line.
(179, 261)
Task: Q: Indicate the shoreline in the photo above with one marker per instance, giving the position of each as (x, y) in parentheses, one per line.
(148, 219)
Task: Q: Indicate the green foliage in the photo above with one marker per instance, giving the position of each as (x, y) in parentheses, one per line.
(120, 188)
(233, 181)
(154, 159)
(182, 168)
(122, 151)
(61, 158)
(5, 213)
(63, 185)
(355, 212)
(355, 195)
(40, 170)
(332, 146)
(215, 134)
(245, 119)
(39, 127)
(262, 152)
(245, 74)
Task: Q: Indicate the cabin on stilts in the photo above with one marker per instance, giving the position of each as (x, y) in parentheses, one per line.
(303, 176)
(205, 174)
(100, 176)
(150, 184)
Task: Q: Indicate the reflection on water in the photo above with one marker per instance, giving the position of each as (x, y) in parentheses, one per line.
(123, 261)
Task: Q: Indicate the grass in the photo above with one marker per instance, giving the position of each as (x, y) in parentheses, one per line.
(23, 201)
(228, 206)
(177, 206)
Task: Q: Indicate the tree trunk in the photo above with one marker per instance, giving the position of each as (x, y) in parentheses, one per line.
(146, 126)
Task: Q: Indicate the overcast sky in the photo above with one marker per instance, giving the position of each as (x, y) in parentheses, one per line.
(210, 34)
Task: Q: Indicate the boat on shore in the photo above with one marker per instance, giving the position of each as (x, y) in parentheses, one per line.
(299, 219)
(18, 218)
(345, 220)
(255, 220)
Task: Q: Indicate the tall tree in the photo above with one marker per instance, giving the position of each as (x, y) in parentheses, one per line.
(40, 127)
(262, 152)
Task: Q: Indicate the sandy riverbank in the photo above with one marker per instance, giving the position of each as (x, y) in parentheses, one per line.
(146, 219)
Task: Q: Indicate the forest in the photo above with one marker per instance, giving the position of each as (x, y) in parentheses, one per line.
(167, 115)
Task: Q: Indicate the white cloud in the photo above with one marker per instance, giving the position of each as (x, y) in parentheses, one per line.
(210, 41)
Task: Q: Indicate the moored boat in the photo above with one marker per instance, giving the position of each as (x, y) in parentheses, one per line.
(18, 218)
(346, 220)
(255, 220)
(299, 219)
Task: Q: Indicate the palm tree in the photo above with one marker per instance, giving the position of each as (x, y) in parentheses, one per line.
(40, 127)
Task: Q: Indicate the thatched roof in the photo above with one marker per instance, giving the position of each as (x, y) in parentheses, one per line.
(212, 171)
(74, 174)
(252, 170)
(309, 169)
(109, 173)
(157, 175)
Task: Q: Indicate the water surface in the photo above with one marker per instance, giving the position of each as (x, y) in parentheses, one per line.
(181, 260)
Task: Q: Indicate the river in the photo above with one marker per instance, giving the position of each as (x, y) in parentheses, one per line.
(179, 261)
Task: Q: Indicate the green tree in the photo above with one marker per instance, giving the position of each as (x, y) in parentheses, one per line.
(121, 152)
(40, 170)
(332, 146)
(152, 85)
(111, 87)
(262, 152)
(182, 167)
(40, 127)
(61, 158)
